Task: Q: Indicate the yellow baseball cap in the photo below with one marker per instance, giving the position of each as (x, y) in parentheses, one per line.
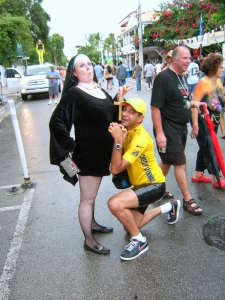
(137, 103)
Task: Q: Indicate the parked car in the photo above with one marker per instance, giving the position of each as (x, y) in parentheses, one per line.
(12, 79)
(2, 76)
(34, 80)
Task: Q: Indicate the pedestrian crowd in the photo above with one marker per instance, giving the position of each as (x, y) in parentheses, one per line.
(110, 138)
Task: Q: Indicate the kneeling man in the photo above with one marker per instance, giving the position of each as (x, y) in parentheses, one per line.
(134, 151)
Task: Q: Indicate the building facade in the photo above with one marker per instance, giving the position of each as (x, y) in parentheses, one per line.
(129, 38)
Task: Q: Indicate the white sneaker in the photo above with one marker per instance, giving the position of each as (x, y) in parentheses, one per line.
(56, 101)
(50, 102)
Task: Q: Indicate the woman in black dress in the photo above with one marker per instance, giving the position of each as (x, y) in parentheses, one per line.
(90, 109)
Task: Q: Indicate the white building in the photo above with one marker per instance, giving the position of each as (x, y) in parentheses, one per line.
(128, 34)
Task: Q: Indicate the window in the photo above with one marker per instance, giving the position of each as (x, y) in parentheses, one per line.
(37, 70)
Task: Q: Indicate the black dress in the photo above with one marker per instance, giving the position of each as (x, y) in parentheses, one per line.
(91, 116)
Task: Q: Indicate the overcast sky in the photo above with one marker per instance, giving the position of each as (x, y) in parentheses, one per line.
(76, 19)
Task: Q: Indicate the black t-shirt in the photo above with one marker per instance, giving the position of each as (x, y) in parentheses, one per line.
(170, 94)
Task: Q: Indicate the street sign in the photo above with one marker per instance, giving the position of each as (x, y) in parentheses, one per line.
(19, 50)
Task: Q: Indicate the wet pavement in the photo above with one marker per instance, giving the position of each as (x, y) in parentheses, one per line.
(50, 260)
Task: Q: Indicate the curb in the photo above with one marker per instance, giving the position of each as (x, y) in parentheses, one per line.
(4, 108)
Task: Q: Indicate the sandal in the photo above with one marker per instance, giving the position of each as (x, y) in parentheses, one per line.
(188, 206)
(167, 196)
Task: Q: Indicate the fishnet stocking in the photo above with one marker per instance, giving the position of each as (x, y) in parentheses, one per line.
(89, 186)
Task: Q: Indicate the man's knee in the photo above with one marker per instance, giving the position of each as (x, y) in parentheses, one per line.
(165, 168)
(114, 204)
(180, 168)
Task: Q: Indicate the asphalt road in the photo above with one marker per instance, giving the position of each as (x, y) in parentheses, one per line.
(41, 244)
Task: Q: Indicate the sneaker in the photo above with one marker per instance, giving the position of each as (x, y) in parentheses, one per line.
(50, 102)
(134, 249)
(56, 101)
(173, 215)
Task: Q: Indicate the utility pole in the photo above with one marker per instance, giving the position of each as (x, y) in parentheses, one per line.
(140, 36)
(100, 48)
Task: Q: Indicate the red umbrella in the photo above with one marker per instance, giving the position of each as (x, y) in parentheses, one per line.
(215, 142)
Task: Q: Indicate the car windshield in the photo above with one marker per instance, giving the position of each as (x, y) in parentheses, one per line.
(37, 70)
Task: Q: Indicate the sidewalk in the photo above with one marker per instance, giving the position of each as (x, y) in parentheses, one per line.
(5, 96)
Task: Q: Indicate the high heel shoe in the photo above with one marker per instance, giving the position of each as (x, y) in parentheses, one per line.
(102, 250)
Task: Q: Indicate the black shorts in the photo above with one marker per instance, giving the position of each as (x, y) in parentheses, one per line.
(176, 136)
(149, 194)
(173, 158)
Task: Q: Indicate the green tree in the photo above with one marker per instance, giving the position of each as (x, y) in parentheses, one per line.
(94, 39)
(219, 16)
(56, 47)
(181, 19)
(13, 30)
(92, 47)
(33, 11)
(30, 22)
(15, 8)
(39, 20)
(22, 21)
(91, 52)
(110, 46)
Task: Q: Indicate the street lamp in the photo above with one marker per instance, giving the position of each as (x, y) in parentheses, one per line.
(25, 58)
(201, 30)
(118, 48)
(140, 35)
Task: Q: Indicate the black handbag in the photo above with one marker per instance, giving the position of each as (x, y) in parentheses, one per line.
(121, 180)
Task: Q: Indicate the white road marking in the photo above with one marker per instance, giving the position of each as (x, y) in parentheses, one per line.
(13, 254)
(10, 208)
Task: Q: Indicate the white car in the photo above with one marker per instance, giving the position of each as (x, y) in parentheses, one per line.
(34, 80)
(12, 80)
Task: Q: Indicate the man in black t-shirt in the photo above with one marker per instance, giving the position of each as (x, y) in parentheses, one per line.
(170, 117)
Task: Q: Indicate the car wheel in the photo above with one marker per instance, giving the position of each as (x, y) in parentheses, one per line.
(24, 97)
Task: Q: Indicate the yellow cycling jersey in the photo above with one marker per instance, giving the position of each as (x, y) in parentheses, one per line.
(139, 152)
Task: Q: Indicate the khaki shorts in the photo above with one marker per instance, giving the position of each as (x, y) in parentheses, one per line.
(53, 91)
